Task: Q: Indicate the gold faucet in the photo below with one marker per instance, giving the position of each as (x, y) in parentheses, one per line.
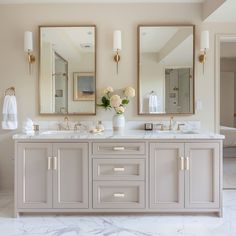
(66, 119)
(171, 123)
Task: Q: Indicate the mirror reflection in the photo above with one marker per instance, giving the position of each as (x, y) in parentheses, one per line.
(166, 69)
(67, 70)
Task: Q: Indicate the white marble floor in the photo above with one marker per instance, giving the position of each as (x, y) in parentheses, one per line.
(229, 167)
(131, 225)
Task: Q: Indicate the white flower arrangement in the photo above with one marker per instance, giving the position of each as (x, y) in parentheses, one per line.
(114, 101)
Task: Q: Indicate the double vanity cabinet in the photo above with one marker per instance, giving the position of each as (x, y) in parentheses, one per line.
(119, 174)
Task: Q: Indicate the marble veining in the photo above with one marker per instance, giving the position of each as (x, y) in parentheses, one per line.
(119, 225)
(109, 134)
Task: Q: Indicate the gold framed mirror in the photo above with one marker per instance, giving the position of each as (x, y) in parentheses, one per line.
(67, 68)
(166, 69)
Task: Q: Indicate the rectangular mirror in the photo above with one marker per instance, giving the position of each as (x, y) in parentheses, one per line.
(166, 69)
(67, 70)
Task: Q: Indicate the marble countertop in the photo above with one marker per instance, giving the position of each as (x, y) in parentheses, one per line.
(110, 135)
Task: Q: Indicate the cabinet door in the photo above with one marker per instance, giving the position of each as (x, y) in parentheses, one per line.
(202, 175)
(166, 175)
(70, 175)
(34, 177)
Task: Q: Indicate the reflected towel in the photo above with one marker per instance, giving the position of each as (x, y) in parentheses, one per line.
(9, 113)
(153, 103)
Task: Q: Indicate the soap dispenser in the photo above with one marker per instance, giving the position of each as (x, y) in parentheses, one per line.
(100, 126)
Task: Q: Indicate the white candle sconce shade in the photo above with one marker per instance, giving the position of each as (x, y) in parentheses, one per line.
(117, 42)
(28, 48)
(204, 47)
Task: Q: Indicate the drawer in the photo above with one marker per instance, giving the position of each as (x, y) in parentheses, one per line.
(118, 148)
(118, 169)
(118, 194)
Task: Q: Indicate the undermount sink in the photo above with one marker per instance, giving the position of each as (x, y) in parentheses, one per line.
(63, 132)
(170, 132)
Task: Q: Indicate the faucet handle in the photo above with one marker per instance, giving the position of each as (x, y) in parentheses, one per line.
(179, 125)
(66, 119)
(161, 126)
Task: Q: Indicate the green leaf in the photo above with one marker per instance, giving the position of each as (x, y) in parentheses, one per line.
(125, 101)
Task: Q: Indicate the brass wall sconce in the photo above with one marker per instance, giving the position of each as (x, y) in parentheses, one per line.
(117, 47)
(204, 47)
(28, 47)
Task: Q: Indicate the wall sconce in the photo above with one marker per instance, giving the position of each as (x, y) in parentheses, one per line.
(28, 47)
(117, 47)
(204, 47)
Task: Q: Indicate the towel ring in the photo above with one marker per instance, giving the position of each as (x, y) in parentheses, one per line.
(10, 91)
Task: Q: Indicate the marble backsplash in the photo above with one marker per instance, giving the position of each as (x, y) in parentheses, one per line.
(130, 125)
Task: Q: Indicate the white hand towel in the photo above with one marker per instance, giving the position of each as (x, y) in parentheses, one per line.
(153, 103)
(9, 113)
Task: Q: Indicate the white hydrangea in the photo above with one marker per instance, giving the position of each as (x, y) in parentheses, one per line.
(107, 90)
(129, 92)
(120, 110)
(115, 101)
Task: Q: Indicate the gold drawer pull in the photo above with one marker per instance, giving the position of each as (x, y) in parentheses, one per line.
(119, 169)
(49, 163)
(118, 148)
(54, 163)
(181, 163)
(187, 164)
(119, 195)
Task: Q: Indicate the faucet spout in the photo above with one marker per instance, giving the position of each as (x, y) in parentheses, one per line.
(66, 119)
(171, 123)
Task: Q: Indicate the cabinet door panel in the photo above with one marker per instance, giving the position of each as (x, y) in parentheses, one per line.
(202, 178)
(71, 175)
(166, 178)
(34, 178)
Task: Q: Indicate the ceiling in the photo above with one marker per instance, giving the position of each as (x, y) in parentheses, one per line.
(97, 1)
(69, 42)
(225, 13)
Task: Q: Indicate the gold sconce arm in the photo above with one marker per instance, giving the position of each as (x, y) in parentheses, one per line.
(117, 60)
(202, 59)
(31, 60)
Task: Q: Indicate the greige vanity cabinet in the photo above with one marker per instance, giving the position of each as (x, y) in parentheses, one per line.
(202, 175)
(34, 179)
(166, 175)
(70, 175)
(184, 175)
(52, 175)
(155, 175)
(119, 175)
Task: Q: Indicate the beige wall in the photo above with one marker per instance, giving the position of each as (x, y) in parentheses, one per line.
(14, 20)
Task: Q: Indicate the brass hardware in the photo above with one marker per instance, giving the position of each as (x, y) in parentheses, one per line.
(54, 163)
(187, 164)
(202, 59)
(31, 60)
(10, 91)
(171, 123)
(119, 169)
(76, 126)
(49, 163)
(66, 119)
(181, 163)
(161, 125)
(117, 60)
(119, 195)
(179, 125)
(118, 148)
